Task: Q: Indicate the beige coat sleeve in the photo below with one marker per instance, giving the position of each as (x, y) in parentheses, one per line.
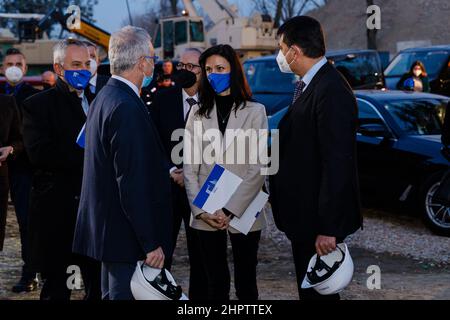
(192, 151)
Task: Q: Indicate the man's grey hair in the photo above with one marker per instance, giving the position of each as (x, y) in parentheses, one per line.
(60, 49)
(126, 46)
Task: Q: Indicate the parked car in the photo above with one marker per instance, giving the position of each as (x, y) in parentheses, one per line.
(399, 151)
(274, 89)
(437, 64)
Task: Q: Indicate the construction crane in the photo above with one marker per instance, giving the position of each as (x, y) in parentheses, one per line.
(33, 29)
(33, 40)
(251, 37)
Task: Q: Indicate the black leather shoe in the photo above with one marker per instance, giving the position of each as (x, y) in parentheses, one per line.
(26, 285)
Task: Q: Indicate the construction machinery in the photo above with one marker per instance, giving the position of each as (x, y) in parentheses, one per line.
(251, 37)
(33, 40)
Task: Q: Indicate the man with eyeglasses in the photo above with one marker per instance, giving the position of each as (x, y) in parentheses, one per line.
(125, 212)
(169, 111)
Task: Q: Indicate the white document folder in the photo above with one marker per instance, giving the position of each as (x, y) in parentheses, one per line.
(218, 189)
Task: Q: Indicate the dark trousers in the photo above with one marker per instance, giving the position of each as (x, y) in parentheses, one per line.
(197, 276)
(214, 257)
(20, 183)
(116, 278)
(57, 279)
(302, 253)
(4, 189)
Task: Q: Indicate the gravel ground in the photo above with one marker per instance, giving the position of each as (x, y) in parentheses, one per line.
(414, 263)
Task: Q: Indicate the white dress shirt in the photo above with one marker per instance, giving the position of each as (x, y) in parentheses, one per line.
(93, 84)
(307, 78)
(84, 102)
(186, 106)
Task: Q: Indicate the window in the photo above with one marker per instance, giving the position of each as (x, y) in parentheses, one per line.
(181, 36)
(433, 62)
(360, 70)
(367, 114)
(168, 39)
(418, 117)
(196, 31)
(158, 37)
(265, 76)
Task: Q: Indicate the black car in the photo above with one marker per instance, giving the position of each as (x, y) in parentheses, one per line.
(274, 89)
(399, 151)
(437, 63)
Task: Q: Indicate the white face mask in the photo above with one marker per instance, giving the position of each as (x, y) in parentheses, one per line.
(14, 74)
(417, 73)
(93, 67)
(284, 66)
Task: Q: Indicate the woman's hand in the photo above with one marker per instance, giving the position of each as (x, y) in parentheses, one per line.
(213, 220)
(225, 220)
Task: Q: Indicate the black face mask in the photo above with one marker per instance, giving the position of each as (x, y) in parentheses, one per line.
(185, 79)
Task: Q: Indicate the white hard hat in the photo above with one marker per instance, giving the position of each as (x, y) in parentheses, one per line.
(330, 274)
(149, 283)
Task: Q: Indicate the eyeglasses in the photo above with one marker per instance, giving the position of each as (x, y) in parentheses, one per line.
(154, 58)
(187, 66)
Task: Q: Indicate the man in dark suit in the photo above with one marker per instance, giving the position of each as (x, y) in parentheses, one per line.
(11, 145)
(169, 111)
(98, 81)
(20, 172)
(52, 122)
(315, 194)
(125, 211)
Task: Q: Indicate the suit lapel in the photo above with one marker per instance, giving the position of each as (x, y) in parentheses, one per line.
(75, 102)
(310, 88)
(285, 121)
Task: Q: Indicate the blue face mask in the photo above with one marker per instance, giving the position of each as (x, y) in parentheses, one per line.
(220, 82)
(77, 79)
(147, 80)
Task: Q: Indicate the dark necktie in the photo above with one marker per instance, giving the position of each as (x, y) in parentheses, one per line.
(191, 102)
(298, 90)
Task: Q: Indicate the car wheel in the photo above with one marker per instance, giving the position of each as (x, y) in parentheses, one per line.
(436, 216)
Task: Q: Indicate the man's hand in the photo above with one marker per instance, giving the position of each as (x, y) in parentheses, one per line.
(212, 220)
(325, 245)
(177, 177)
(155, 259)
(4, 153)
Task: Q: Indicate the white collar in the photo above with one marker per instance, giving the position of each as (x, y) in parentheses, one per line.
(93, 81)
(128, 82)
(307, 78)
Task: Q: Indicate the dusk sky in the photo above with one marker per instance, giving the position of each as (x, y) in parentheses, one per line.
(110, 14)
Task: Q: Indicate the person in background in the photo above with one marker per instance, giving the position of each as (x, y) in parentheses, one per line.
(167, 68)
(170, 110)
(98, 81)
(166, 81)
(416, 79)
(11, 145)
(52, 121)
(125, 212)
(225, 102)
(20, 170)
(48, 80)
